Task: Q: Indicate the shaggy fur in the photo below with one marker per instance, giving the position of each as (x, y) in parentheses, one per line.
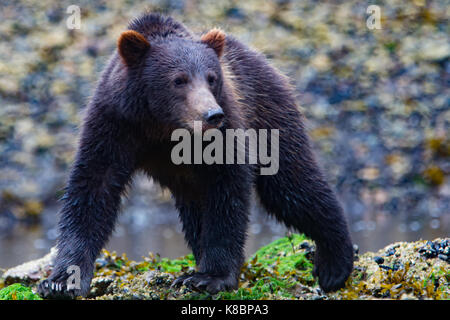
(128, 125)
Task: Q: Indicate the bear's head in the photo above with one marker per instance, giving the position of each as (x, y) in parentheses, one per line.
(181, 78)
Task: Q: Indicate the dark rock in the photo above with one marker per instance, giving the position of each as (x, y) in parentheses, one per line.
(436, 249)
(55, 15)
(235, 13)
(378, 259)
(390, 252)
(99, 286)
(305, 245)
(396, 266)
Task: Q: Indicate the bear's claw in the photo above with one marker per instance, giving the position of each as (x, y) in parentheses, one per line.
(205, 282)
(49, 289)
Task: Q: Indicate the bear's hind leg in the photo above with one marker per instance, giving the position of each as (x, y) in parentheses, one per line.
(298, 196)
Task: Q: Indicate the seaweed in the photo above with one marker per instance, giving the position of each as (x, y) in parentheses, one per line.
(18, 291)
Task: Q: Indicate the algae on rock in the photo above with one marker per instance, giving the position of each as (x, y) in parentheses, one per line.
(279, 271)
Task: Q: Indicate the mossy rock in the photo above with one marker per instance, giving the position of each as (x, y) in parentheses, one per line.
(17, 291)
(279, 271)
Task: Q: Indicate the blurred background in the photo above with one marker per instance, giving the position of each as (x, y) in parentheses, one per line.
(377, 104)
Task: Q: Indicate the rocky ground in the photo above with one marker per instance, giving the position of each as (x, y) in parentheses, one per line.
(281, 270)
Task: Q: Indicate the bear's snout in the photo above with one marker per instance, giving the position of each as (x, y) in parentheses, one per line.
(202, 106)
(214, 117)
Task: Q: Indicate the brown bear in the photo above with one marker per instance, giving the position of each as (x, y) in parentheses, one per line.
(163, 78)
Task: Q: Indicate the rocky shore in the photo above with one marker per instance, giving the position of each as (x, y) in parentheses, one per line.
(279, 271)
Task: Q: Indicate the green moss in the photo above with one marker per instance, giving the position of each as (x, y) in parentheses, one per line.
(285, 254)
(17, 291)
(110, 264)
(274, 270)
(271, 273)
(173, 266)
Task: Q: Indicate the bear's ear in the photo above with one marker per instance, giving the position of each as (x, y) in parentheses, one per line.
(132, 47)
(215, 39)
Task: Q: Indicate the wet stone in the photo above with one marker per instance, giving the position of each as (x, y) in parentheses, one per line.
(378, 259)
(436, 249)
(390, 252)
(305, 245)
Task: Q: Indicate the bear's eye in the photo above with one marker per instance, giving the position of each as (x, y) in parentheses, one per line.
(211, 79)
(179, 81)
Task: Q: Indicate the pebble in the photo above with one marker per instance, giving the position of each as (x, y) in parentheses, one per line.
(305, 245)
(436, 249)
(378, 259)
(390, 252)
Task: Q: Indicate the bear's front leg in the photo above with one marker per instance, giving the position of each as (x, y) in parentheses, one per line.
(102, 168)
(219, 247)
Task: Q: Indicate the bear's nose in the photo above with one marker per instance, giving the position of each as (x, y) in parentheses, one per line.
(214, 117)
